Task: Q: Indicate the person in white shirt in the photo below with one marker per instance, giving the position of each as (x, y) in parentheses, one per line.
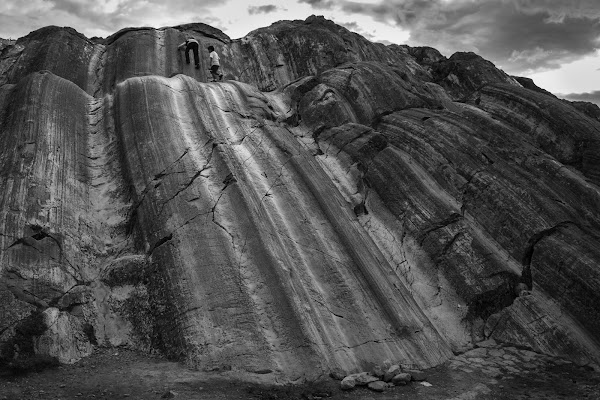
(214, 64)
(190, 44)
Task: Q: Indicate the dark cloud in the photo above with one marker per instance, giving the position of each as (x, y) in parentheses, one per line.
(520, 36)
(262, 9)
(403, 12)
(355, 27)
(126, 13)
(319, 4)
(592, 97)
(351, 26)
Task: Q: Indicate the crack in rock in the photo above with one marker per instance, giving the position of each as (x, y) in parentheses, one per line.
(451, 219)
(162, 241)
(526, 276)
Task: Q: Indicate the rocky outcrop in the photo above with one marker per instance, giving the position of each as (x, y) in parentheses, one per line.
(590, 109)
(332, 207)
(528, 83)
(287, 50)
(464, 73)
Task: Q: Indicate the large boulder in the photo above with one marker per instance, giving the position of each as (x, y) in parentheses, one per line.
(333, 208)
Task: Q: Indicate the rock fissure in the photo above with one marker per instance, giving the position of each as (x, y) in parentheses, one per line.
(160, 242)
(190, 220)
(228, 180)
(450, 244)
(490, 330)
(155, 182)
(453, 218)
(360, 136)
(184, 187)
(526, 276)
(28, 296)
(277, 181)
(24, 242)
(56, 300)
(328, 309)
(220, 225)
(376, 341)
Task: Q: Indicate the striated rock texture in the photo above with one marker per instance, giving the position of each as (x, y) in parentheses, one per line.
(333, 204)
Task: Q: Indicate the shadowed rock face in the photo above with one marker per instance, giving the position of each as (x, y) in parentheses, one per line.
(331, 208)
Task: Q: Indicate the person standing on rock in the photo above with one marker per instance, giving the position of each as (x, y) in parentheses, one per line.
(214, 64)
(190, 44)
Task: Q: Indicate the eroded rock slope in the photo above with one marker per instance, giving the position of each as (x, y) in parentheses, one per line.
(331, 205)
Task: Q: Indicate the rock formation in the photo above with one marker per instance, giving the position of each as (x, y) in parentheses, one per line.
(334, 203)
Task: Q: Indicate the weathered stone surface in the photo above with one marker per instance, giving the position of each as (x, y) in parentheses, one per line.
(331, 209)
(65, 337)
(377, 386)
(417, 375)
(169, 395)
(465, 72)
(391, 372)
(426, 55)
(476, 353)
(487, 343)
(363, 378)
(529, 84)
(273, 56)
(337, 375)
(348, 383)
(496, 352)
(590, 109)
(378, 372)
(401, 379)
(44, 50)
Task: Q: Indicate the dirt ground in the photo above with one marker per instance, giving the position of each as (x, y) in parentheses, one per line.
(125, 374)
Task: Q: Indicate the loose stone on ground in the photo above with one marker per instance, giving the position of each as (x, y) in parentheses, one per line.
(489, 364)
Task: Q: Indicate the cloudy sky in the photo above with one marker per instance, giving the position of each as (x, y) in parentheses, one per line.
(554, 42)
